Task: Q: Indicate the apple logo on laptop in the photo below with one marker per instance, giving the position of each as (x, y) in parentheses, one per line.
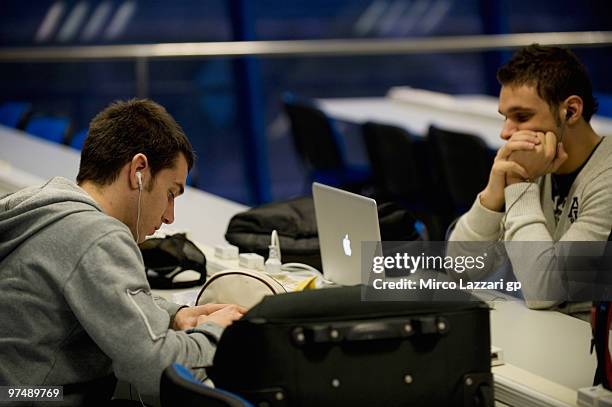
(346, 245)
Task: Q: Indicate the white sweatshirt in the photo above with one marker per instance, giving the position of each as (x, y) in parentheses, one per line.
(586, 216)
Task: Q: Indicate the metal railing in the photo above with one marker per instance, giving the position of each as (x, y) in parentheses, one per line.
(337, 47)
(142, 53)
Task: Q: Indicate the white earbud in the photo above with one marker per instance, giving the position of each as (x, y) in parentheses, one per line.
(139, 179)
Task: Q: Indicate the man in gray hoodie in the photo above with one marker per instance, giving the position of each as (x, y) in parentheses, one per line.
(76, 306)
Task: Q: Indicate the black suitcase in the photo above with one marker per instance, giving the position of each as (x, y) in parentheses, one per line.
(329, 348)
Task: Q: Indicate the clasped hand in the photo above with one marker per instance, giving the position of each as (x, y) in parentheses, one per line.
(526, 156)
(545, 155)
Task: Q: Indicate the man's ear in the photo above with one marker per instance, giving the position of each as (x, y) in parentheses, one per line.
(139, 164)
(572, 106)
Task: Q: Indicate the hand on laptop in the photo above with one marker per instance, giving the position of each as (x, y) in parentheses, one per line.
(189, 317)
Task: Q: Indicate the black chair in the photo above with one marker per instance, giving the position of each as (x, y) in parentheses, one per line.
(461, 164)
(319, 145)
(402, 172)
(396, 167)
(179, 388)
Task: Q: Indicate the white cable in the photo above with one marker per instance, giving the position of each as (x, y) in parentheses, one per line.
(502, 229)
(305, 270)
(299, 267)
(141, 402)
(274, 264)
(138, 217)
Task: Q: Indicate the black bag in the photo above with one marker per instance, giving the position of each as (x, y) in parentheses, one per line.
(329, 348)
(295, 222)
(166, 258)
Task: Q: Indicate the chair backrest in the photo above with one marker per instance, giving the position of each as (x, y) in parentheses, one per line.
(314, 136)
(15, 114)
(178, 387)
(393, 159)
(54, 129)
(462, 162)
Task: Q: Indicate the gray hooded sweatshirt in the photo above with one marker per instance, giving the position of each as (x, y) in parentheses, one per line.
(75, 304)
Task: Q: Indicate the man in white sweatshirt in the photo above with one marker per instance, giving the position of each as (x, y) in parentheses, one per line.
(551, 181)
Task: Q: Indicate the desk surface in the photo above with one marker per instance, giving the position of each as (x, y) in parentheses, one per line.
(415, 110)
(416, 119)
(547, 343)
(26, 160)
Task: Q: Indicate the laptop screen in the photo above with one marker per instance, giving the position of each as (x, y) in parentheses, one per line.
(344, 220)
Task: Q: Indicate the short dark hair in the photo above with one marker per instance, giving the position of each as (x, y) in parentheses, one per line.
(126, 128)
(555, 72)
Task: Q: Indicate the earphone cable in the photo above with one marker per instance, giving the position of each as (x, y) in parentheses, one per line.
(502, 229)
(138, 217)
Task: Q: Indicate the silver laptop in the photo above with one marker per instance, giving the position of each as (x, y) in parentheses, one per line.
(344, 220)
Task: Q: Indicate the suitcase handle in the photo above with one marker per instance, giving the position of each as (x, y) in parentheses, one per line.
(370, 331)
(367, 331)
